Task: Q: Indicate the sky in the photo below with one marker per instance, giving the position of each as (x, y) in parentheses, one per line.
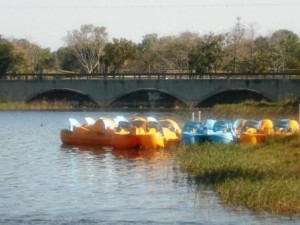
(46, 22)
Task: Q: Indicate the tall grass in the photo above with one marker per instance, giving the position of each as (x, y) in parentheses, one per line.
(263, 177)
(41, 105)
(256, 110)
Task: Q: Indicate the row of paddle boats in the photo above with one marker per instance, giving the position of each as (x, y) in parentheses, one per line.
(121, 133)
(150, 133)
(244, 131)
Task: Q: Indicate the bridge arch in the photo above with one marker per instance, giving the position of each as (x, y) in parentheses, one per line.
(71, 96)
(147, 98)
(234, 95)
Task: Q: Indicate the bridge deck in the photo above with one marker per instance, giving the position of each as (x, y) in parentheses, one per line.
(150, 76)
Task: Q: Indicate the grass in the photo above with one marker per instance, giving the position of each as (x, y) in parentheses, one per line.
(263, 177)
(41, 105)
(256, 110)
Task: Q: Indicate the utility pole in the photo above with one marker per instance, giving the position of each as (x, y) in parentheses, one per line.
(237, 31)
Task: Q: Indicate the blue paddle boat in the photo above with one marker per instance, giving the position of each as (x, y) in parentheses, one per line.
(214, 131)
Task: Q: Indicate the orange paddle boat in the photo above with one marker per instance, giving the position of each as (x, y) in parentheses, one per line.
(92, 133)
(256, 132)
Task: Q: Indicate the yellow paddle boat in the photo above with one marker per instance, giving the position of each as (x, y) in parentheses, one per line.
(171, 132)
(138, 133)
(145, 133)
(256, 132)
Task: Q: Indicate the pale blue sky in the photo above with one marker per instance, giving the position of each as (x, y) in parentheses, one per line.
(46, 22)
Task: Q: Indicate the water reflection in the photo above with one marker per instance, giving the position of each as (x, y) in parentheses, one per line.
(147, 155)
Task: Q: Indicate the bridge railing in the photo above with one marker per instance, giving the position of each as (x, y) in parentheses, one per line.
(148, 76)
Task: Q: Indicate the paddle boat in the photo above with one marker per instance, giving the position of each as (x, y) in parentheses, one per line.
(286, 127)
(190, 132)
(256, 132)
(153, 135)
(237, 127)
(124, 135)
(215, 131)
(145, 133)
(121, 133)
(171, 132)
(93, 132)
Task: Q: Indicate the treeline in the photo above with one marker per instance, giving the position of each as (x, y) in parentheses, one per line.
(88, 50)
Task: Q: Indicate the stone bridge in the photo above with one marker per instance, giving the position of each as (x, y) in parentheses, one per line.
(191, 91)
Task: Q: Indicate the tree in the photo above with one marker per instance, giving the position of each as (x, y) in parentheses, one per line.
(88, 45)
(35, 58)
(148, 53)
(6, 56)
(178, 50)
(9, 60)
(208, 53)
(117, 52)
(236, 49)
(284, 49)
(66, 60)
(262, 62)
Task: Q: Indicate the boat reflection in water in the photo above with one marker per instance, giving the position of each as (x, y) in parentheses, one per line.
(131, 154)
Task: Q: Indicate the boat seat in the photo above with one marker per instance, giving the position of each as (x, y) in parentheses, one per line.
(73, 123)
(98, 126)
(155, 125)
(250, 124)
(221, 126)
(89, 121)
(125, 125)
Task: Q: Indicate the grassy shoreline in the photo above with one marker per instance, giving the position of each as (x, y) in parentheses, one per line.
(256, 110)
(248, 109)
(42, 105)
(263, 177)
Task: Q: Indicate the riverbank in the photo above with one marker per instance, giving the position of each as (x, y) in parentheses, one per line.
(248, 109)
(254, 110)
(262, 177)
(42, 105)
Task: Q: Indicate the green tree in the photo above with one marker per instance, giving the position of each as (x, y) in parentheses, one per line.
(208, 54)
(6, 56)
(117, 52)
(262, 62)
(9, 60)
(66, 60)
(148, 52)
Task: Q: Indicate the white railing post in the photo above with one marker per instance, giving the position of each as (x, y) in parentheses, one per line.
(199, 115)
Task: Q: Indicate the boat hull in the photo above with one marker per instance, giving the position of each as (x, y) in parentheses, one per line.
(252, 138)
(122, 140)
(190, 138)
(85, 137)
(151, 141)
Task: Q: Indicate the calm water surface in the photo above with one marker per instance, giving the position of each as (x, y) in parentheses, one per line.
(43, 182)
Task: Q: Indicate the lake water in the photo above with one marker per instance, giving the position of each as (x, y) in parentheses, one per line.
(43, 182)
